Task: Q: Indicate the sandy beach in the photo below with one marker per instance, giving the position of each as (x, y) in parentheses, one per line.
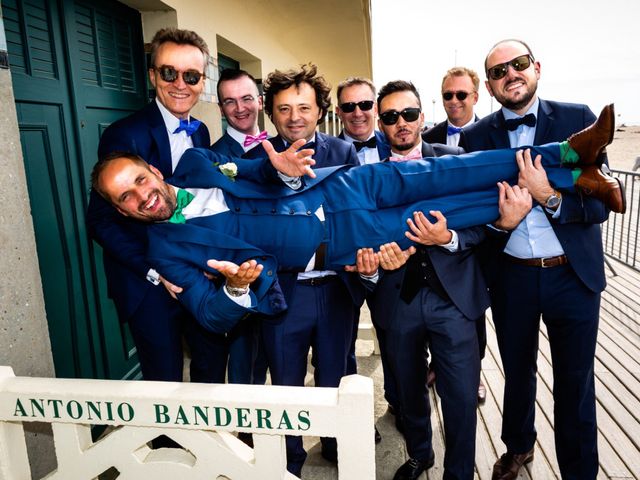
(625, 147)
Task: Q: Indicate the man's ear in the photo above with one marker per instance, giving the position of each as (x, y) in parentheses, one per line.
(157, 172)
(488, 85)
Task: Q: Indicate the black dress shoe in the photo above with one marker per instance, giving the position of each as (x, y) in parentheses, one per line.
(376, 435)
(413, 468)
(509, 464)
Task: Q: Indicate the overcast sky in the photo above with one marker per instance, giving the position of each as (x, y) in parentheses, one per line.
(589, 50)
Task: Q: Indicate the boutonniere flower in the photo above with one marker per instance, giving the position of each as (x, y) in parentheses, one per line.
(229, 170)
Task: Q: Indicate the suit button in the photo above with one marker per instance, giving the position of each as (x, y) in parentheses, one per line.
(308, 212)
(424, 264)
(237, 209)
(273, 210)
(270, 273)
(291, 212)
(255, 210)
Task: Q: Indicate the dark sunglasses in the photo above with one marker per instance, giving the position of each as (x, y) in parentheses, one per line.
(390, 117)
(169, 74)
(349, 107)
(459, 95)
(518, 64)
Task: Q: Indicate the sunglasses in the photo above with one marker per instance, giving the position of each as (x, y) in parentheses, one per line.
(518, 64)
(169, 74)
(349, 107)
(390, 117)
(459, 95)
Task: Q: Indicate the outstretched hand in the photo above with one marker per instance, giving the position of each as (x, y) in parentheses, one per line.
(366, 262)
(292, 162)
(238, 276)
(392, 257)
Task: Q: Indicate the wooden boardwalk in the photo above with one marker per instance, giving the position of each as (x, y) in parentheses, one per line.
(617, 387)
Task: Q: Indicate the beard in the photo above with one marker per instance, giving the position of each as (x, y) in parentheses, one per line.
(164, 212)
(518, 103)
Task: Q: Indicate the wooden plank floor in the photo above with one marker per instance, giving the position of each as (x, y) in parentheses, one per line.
(617, 371)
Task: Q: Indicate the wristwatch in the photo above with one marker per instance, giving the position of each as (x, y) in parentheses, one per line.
(553, 201)
(237, 291)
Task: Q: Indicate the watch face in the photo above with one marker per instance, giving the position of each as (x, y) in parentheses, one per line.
(553, 201)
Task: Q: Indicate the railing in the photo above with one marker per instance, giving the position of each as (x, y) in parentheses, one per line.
(332, 124)
(620, 232)
(198, 417)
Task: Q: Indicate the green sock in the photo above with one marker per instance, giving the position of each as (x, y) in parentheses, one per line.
(568, 154)
(575, 173)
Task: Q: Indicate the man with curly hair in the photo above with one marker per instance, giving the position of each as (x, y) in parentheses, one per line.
(323, 303)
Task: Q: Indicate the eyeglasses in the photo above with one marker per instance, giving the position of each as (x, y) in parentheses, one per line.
(169, 74)
(349, 107)
(246, 100)
(518, 64)
(390, 117)
(459, 95)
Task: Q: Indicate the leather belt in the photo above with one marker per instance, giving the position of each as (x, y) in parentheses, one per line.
(317, 281)
(548, 262)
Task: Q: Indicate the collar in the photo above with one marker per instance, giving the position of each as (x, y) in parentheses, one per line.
(171, 122)
(469, 123)
(351, 139)
(237, 135)
(416, 148)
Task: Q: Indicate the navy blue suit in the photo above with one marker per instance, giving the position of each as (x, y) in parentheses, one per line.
(438, 133)
(156, 320)
(412, 315)
(568, 299)
(226, 145)
(319, 316)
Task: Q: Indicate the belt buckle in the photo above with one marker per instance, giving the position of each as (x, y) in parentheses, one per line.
(543, 264)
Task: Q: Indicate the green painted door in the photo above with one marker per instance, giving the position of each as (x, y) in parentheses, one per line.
(76, 66)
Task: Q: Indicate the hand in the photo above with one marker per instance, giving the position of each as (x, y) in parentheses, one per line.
(366, 262)
(427, 233)
(514, 203)
(291, 162)
(238, 276)
(171, 288)
(533, 176)
(391, 257)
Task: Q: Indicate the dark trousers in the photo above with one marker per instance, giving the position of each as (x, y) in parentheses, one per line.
(157, 328)
(320, 317)
(429, 321)
(522, 295)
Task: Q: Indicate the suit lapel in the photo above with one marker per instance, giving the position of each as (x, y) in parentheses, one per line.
(544, 122)
(498, 132)
(322, 150)
(161, 139)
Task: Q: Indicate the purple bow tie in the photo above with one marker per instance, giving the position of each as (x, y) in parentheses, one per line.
(188, 126)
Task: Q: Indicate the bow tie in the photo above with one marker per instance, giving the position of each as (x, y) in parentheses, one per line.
(415, 155)
(451, 130)
(371, 143)
(250, 139)
(188, 126)
(183, 198)
(513, 123)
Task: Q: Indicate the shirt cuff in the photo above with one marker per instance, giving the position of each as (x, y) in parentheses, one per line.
(453, 245)
(242, 300)
(294, 183)
(153, 276)
(370, 278)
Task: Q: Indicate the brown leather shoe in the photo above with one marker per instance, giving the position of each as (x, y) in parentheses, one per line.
(482, 393)
(509, 464)
(588, 143)
(593, 182)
